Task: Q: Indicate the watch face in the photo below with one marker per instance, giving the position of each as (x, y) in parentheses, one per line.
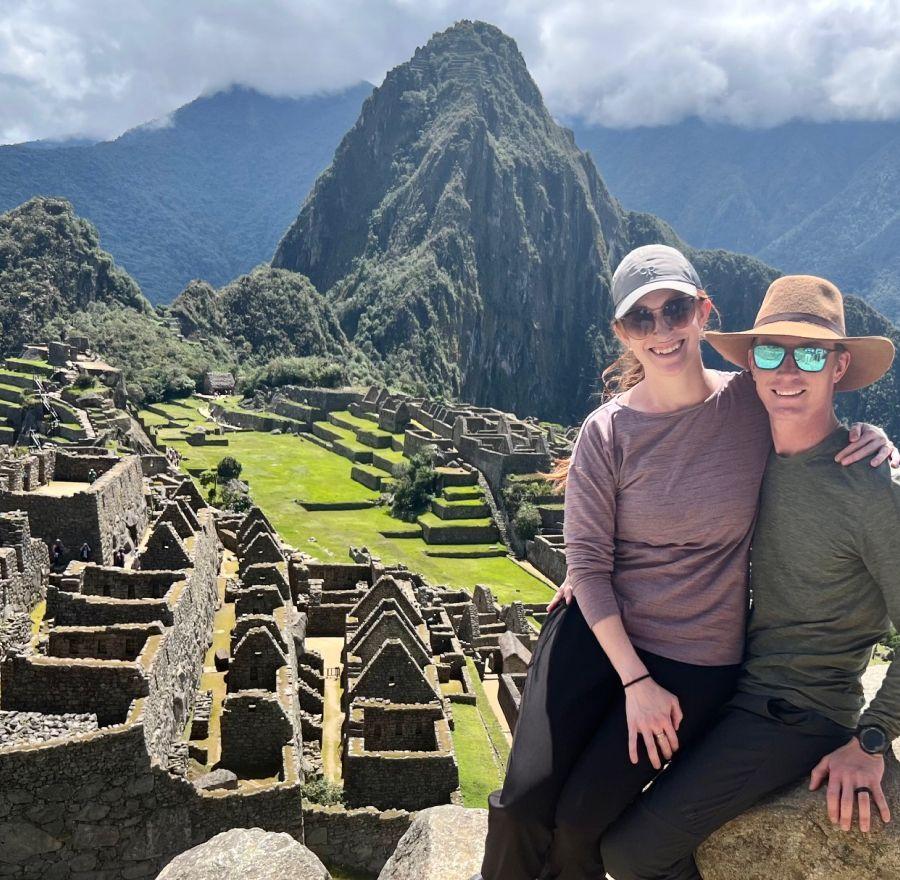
(873, 740)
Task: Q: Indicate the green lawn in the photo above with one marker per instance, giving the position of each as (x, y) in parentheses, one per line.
(479, 771)
(283, 467)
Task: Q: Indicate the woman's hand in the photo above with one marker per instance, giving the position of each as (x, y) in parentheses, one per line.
(867, 440)
(654, 714)
(563, 594)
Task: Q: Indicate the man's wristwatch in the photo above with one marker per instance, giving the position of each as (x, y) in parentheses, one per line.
(872, 739)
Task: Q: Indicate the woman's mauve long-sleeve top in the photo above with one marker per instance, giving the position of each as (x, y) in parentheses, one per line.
(659, 512)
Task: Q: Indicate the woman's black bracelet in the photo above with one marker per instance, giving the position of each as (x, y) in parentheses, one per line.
(635, 680)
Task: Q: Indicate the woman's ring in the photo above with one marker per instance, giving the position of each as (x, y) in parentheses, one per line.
(660, 735)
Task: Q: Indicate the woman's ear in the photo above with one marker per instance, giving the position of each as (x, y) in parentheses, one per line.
(621, 335)
(704, 310)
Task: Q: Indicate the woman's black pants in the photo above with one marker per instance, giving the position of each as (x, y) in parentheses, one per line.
(569, 775)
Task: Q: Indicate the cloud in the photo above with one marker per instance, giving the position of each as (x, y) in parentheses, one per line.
(98, 67)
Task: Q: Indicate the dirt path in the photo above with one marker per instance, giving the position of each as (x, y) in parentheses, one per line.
(330, 649)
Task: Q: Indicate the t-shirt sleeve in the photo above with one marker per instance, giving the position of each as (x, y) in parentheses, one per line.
(589, 523)
(882, 557)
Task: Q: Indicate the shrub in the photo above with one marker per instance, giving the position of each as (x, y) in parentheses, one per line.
(229, 468)
(84, 380)
(527, 521)
(416, 485)
(323, 791)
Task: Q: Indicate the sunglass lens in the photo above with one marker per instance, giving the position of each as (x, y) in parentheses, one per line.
(678, 312)
(768, 357)
(638, 323)
(810, 359)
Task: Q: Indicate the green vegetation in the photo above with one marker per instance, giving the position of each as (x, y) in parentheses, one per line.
(415, 487)
(322, 791)
(481, 747)
(228, 468)
(50, 264)
(156, 362)
(283, 468)
(527, 521)
(311, 371)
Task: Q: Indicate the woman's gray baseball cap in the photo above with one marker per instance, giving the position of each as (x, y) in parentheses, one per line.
(648, 268)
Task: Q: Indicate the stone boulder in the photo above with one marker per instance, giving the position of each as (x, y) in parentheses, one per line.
(443, 843)
(247, 854)
(789, 837)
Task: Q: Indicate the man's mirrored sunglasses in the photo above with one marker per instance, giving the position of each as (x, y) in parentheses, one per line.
(809, 358)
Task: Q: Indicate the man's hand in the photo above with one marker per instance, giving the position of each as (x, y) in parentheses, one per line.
(853, 776)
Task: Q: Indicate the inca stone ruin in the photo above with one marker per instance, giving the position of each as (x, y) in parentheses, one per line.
(171, 669)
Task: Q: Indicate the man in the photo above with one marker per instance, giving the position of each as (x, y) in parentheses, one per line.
(825, 575)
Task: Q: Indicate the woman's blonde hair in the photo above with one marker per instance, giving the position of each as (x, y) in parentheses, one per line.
(623, 373)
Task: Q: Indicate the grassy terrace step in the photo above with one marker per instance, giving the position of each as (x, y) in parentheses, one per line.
(18, 380)
(457, 510)
(369, 476)
(461, 531)
(8, 409)
(387, 459)
(345, 419)
(12, 393)
(466, 554)
(463, 493)
(408, 531)
(23, 365)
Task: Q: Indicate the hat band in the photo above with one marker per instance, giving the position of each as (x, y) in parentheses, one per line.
(803, 317)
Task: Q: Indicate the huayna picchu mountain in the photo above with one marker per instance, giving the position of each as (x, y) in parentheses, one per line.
(462, 237)
(467, 244)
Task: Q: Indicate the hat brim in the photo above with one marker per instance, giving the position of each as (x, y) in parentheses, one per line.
(870, 356)
(649, 287)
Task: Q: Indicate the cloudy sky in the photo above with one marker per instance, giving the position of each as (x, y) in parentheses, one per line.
(98, 67)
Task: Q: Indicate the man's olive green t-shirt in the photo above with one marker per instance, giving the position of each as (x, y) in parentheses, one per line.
(825, 576)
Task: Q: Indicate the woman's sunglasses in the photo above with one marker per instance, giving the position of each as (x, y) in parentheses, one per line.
(809, 358)
(676, 314)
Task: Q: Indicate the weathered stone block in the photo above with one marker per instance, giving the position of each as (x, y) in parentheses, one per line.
(443, 843)
(247, 854)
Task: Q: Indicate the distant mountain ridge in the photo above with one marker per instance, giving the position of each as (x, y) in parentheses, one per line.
(206, 193)
(466, 243)
(819, 198)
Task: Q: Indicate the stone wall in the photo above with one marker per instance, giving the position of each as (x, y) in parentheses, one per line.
(547, 557)
(94, 806)
(109, 513)
(255, 730)
(118, 583)
(175, 671)
(57, 686)
(73, 609)
(361, 840)
(24, 564)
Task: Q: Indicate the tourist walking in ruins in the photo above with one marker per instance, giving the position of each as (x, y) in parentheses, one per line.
(661, 498)
(820, 603)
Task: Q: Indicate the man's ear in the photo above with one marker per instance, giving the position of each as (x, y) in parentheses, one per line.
(842, 365)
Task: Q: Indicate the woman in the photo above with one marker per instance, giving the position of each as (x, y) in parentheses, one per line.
(661, 496)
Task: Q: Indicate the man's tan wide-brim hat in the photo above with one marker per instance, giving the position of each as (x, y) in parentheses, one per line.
(806, 307)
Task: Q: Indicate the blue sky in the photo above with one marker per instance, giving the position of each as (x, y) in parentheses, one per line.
(98, 67)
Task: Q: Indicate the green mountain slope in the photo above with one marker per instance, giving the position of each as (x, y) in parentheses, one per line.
(50, 264)
(204, 193)
(806, 197)
(462, 237)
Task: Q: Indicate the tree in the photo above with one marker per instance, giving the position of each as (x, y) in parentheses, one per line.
(416, 485)
(229, 468)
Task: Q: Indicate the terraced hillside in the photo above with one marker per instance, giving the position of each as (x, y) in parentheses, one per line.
(311, 489)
